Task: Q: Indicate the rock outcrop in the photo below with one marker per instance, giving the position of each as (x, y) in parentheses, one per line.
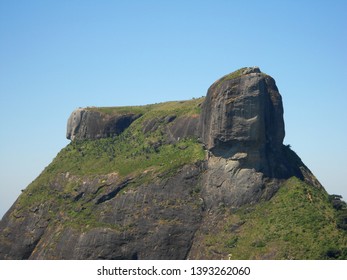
(162, 180)
(136, 225)
(242, 125)
(243, 115)
(85, 123)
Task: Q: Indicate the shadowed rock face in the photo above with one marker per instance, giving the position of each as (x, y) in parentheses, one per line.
(240, 123)
(150, 230)
(245, 109)
(88, 124)
(242, 116)
(176, 128)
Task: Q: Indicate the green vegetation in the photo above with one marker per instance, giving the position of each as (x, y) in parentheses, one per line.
(126, 154)
(179, 108)
(297, 223)
(341, 207)
(233, 75)
(135, 153)
(230, 76)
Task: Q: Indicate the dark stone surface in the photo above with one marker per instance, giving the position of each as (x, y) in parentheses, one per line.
(244, 115)
(21, 232)
(154, 221)
(89, 124)
(241, 125)
(183, 127)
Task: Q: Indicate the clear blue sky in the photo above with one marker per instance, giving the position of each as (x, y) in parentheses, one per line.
(58, 55)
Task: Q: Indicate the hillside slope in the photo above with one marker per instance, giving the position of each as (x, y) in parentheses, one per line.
(207, 178)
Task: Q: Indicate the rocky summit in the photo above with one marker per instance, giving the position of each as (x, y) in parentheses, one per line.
(207, 178)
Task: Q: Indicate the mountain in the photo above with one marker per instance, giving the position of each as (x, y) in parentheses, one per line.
(207, 178)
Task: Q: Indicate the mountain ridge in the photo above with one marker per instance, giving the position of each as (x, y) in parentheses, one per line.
(161, 181)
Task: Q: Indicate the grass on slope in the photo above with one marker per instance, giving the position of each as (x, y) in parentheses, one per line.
(179, 108)
(129, 154)
(133, 151)
(297, 223)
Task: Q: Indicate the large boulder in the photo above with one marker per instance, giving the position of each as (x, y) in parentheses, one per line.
(86, 123)
(242, 117)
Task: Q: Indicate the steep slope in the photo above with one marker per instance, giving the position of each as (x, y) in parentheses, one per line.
(130, 196)
(205, 178)
(297, 223)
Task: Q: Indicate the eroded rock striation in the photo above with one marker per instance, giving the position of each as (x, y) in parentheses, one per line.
(154, 182)
(243, 115)
(89, 124)
(242, 125)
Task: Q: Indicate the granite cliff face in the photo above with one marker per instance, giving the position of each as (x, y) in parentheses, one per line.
(242, 125)
(175, 180)
(242, 116)
(243, 109)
